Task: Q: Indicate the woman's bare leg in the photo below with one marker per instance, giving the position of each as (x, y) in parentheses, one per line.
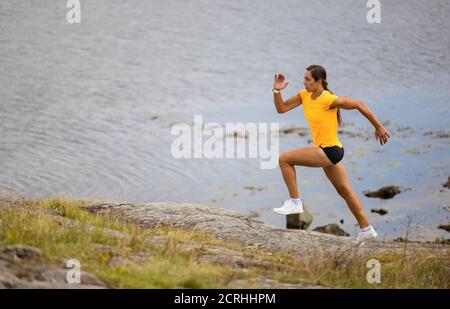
(309, 156)
(338, 177)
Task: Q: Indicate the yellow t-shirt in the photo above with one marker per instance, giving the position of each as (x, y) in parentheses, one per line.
(322, 120)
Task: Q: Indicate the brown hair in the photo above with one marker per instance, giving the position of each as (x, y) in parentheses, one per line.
(318, 72)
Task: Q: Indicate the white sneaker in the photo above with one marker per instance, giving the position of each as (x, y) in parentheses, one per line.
(364, 236)
(289, 208)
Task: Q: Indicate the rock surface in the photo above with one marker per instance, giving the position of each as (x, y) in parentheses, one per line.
(26, 267)
(231, 226)
(299, 221)
(332, 229)
(384, 192)
(447, 184)
(380, 211)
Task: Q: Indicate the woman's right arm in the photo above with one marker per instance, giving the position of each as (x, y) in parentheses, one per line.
(283, 107)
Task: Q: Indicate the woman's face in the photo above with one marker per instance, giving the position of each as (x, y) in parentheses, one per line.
(311, 85)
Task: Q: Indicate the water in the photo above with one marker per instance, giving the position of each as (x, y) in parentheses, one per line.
(86, 110)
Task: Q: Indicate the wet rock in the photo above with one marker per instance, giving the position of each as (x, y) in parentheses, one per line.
(380, 211)
(237, 135)
(443, 135)
(414, 150)
(406, 128)
(445, 227)
(352, 134)
(333, 229)
(447, 184)
(299, 131)
(384, 192)
(439, 134)
(254, 189)
(299, 221)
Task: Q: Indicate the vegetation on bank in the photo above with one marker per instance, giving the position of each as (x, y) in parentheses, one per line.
(124, 255)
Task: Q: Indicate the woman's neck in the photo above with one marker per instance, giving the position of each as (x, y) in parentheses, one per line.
(318, 92)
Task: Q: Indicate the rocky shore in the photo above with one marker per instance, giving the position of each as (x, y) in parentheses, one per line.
(231, 226)
(271, 255)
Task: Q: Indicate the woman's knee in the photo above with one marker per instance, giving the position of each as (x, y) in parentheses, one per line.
(344, 190)
(283, 159)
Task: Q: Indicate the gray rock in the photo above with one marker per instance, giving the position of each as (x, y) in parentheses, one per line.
(7, 278)
(267, 283)
(135, 259)
(59, 276)
(53, 285)
(224, 256)
(445, 227)
(447, 184)
(380, 211)
(26, 267)
(155, 241)
(3, 263)
(333, 229)
(231, 226)
(299, 221)
(384, 192)
(21, 251)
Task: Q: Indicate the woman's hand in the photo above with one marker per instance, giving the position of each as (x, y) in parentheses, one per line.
(279, 83)
(381, 134)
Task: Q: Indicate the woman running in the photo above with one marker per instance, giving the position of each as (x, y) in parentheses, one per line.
(321, 110)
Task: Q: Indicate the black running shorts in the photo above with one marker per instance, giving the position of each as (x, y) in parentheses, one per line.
(335, 153)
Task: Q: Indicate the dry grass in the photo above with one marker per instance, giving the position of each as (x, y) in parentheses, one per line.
(84, 236)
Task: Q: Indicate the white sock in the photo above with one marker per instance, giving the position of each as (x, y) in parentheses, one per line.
(366, 229)
(296, 201)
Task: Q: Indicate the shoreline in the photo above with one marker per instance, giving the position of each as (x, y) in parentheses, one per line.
(160, 245)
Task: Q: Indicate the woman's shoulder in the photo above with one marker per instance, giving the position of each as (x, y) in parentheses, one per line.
(329, 97)
(329, 94)
(303, 93)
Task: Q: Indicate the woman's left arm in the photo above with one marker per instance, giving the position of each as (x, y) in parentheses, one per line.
(381, 133)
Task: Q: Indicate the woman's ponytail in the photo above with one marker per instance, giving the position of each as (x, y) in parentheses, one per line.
(318, 72)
